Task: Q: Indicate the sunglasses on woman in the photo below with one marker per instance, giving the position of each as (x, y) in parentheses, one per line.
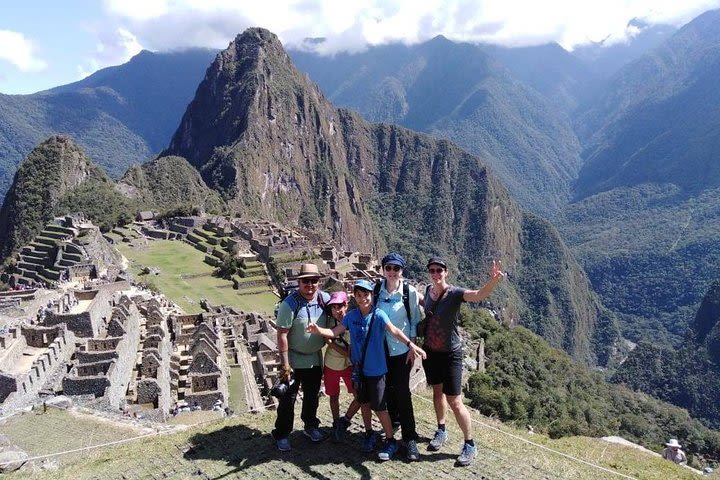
(393, 268)
(309, 281)
(435, 270)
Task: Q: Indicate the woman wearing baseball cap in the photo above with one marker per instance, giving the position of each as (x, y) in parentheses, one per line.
(400, 301)
(443, 365)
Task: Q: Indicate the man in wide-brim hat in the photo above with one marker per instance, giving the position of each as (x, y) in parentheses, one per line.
(300, 355)
(673, 452)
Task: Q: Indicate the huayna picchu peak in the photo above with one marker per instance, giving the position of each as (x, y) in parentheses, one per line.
(264, 136)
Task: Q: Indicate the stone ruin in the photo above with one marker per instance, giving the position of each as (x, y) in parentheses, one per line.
(30, 357)
(199, 368)
(68, 248)
(102, 366)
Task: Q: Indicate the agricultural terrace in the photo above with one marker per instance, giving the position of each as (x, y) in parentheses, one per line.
(185, 278)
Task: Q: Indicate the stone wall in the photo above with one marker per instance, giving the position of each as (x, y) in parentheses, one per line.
(87, 324)
(109, 377)
(27, 385)
(12, 346)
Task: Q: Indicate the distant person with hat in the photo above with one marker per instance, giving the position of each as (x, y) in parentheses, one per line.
(399, 300)
(673, 453)
(301, 355)
(338, 366)
(367, 326)
(444, 363)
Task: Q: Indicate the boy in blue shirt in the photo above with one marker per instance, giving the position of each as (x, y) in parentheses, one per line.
(368, 325)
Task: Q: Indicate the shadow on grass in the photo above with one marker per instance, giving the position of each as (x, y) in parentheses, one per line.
(242, 448)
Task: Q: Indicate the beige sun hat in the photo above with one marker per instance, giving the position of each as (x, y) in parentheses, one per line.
(673, 443)
(308, 270)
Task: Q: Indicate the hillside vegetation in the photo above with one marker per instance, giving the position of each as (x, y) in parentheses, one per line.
(688, 376)
(528, 382)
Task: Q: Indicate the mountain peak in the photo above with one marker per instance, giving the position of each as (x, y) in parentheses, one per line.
(53, 168)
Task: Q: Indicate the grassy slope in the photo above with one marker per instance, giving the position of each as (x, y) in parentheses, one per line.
(241, 447)
(178, 261)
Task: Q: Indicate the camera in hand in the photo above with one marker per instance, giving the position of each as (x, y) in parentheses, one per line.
(282, 387)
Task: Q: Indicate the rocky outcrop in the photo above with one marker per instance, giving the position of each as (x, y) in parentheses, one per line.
(261, 133)
(705, 329)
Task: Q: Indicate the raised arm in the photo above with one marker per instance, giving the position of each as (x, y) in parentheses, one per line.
(478, 295)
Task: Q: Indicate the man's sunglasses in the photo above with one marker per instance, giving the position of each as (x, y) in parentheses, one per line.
(309, 281)
(435, 270)
(392, 268)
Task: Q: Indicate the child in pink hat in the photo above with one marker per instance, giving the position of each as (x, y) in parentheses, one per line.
(338, 366)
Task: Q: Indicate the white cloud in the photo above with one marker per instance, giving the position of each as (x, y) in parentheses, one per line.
(19, 51)
(114, 47)
(167, 24)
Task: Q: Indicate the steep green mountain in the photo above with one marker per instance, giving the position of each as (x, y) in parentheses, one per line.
(563, 79)
(269, 141)
(166, 183)
(651, 252)
(56, 178)
(120, 115)
(466, 93)
(658, 122)
(645, 221)
(688, 376)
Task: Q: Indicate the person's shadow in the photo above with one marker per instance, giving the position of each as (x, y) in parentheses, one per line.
(242, 448)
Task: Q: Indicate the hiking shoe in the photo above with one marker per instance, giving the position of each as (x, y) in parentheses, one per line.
(440, 439)
(344, 423)
(340, 427)
(369, 442)
(315, 434)
(283, 444)
(467, 455)
(411, 450)
(389, 449)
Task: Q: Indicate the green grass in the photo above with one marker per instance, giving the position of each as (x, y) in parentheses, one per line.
(236, 390)
(175, 259)
(40, 433)
(241, 447)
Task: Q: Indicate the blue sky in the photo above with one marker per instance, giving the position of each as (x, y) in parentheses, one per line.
(46, 43)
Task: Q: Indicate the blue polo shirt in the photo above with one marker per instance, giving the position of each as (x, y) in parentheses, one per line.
(358, 325)
(392, 304)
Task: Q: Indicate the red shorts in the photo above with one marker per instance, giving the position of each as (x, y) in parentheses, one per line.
(332, 381)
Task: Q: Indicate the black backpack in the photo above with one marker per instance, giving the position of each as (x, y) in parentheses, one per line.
(405, 296)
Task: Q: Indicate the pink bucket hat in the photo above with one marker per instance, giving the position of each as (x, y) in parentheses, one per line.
(337, 298)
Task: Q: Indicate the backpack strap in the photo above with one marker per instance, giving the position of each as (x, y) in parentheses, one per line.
(376, 292)
(406, 299)
(405, 296)
(367, 340)
(320, 298)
